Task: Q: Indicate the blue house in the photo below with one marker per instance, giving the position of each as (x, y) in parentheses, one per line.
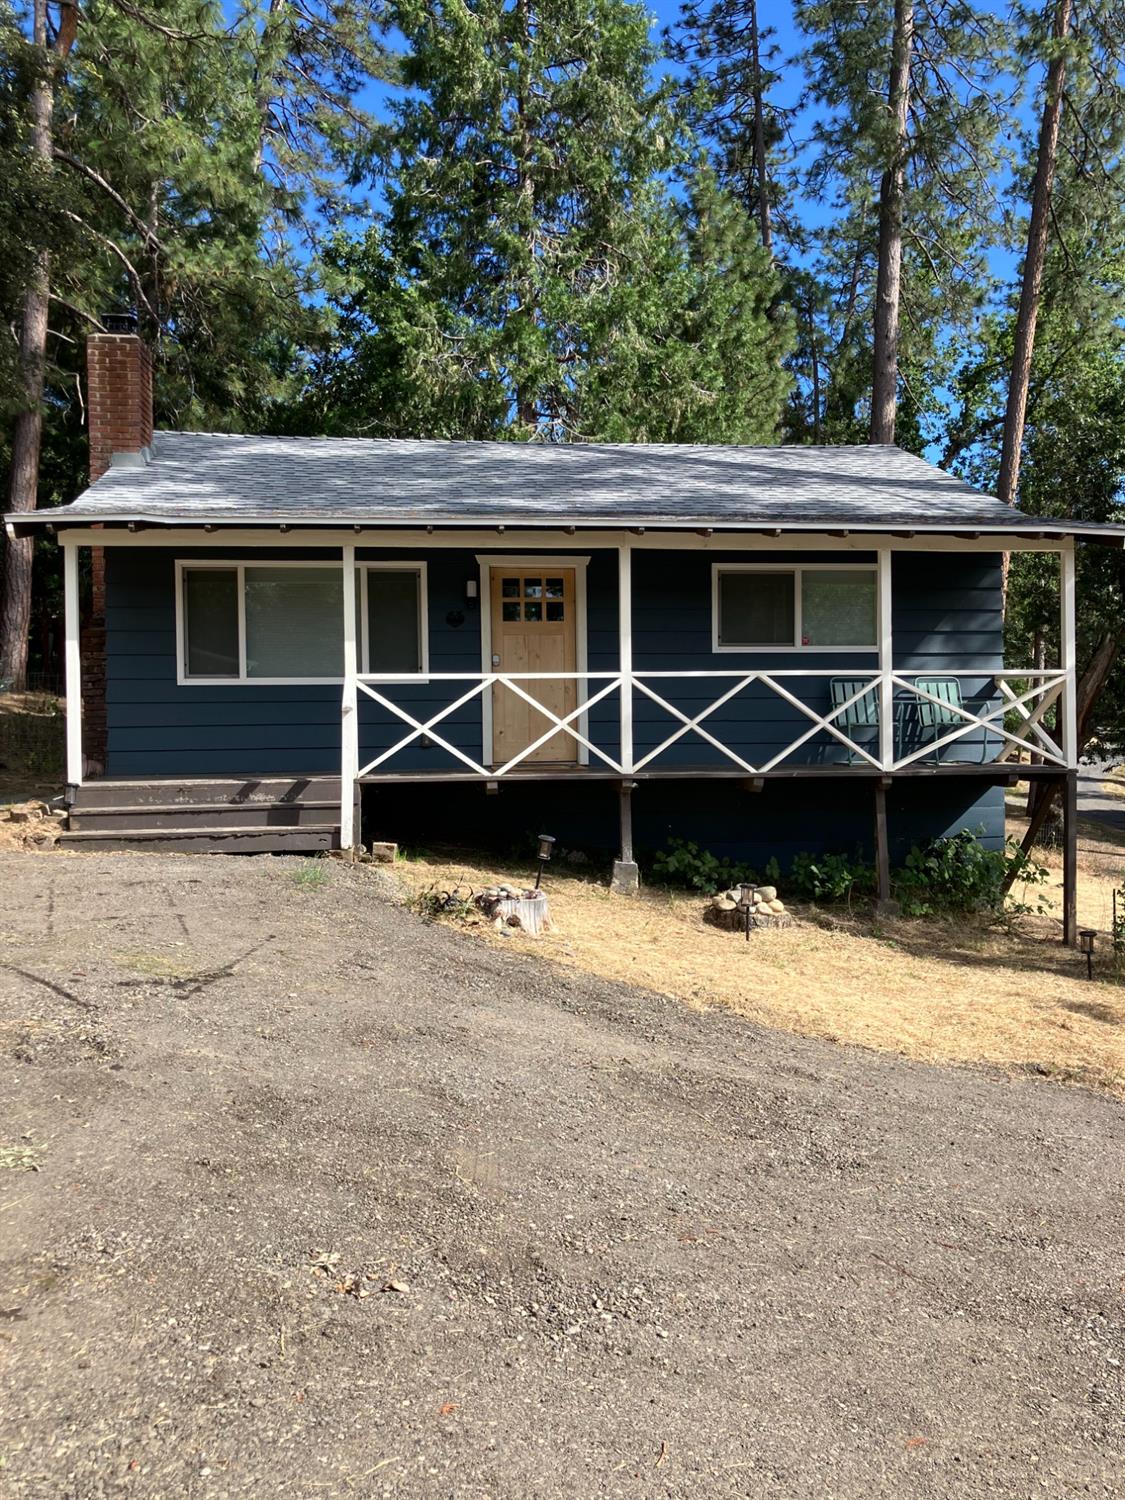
(293, 643)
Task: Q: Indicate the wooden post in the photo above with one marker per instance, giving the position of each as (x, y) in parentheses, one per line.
(1068, 657)
(884, 904)
(1070, 858)
(886, 664)
(73, 666)
(625, 650)
(349, 708)
(626, 876)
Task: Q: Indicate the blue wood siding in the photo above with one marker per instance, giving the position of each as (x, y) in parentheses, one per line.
(946, 617)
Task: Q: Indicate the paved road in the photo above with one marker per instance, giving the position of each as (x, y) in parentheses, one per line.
(1095, 801)
(334, 1204)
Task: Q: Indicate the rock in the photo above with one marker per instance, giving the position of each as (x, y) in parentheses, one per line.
(384, 854)
(723, 903)
(777, 906)
(768, 892)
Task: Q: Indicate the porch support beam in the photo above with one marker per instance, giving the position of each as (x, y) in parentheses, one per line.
(625, 649)
(1070, 858)
(886, 663)
(1068, 657)
(349, 708)
(626, 876)
(73, 657)
(882, 849)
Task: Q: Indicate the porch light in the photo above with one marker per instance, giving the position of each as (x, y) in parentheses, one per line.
(1086, 936)
(543, 855)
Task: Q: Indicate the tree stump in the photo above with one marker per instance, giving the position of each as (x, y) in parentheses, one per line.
(527, 910)
(725, 910)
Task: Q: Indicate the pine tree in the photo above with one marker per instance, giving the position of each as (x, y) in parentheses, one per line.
(912, 100)
(533, 265)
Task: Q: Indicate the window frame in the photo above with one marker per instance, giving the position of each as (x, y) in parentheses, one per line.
(797, 569)
(239, 566)
(396, 566)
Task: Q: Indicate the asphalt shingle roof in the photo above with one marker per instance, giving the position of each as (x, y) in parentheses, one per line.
(206, 477)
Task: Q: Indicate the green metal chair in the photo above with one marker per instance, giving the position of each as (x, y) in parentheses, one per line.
(939, 717)
(862, 714)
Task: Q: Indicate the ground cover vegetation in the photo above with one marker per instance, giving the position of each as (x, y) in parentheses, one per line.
(554, 221)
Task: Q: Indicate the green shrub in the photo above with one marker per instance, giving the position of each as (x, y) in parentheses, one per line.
(686, 865)
(830, 877)
(957, 874)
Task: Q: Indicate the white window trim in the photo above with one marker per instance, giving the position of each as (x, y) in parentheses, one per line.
(797, 569)
(364, 568)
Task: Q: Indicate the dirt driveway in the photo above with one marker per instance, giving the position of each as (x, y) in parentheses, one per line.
(330, 1203)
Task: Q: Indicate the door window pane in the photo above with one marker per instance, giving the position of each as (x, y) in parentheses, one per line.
(510, 588)
(533, 611)
(394, 620)
(555, 611)
(838, 608)
(554, 588)
(294, 622)
(756, 609)
(510, 611)
(211, 622)
(532, 588)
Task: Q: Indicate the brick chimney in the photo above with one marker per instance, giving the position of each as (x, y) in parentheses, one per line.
(118, 396)
(119, 414)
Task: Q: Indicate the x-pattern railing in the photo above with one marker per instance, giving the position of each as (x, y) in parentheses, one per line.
(1041, 691)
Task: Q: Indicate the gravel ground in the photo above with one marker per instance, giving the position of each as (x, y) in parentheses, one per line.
(333, 1203)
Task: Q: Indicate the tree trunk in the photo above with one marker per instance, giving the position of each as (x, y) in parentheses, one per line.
(27, 432)
(264, 76)
(815, 369)
(760, 136)
(1028, 314)
(1039, 662)
(888, 286)
(526, 406)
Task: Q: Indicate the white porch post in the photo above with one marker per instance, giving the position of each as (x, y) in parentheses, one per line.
(626, 876)
(349, 715)
(1068, 656)
(886, 663)
(73, 665)
(625, 650)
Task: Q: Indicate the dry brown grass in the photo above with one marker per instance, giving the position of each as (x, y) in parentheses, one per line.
(933, 990)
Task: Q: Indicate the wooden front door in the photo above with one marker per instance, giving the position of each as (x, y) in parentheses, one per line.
(533, 630)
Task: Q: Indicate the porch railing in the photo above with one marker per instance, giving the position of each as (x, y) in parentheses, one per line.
(1009, 716)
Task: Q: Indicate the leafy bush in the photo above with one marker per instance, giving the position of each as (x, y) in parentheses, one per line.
(830, 877)
(685, 864)
(957, 874)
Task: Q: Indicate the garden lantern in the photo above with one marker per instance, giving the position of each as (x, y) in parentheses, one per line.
(746, 900)
(1086, 936)
(546, 844)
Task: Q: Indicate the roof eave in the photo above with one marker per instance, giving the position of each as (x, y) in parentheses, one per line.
(53, 521)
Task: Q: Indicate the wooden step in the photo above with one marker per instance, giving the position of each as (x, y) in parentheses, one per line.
(309, 839)
(203, 815)
(237, 791)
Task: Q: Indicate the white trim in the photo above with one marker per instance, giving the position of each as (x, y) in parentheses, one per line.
(489, 560)
(73, 666)
(349, 707)
(625, 649)
(1068, 657)
(239, 567)
(693, 537)
(396, 566)
(883, 614)
(797, 569)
